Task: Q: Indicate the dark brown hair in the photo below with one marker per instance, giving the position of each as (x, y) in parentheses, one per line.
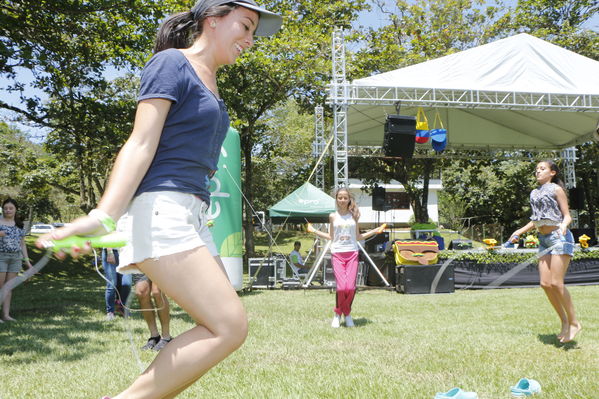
(18, 221)
(557, 177)
(181, 29)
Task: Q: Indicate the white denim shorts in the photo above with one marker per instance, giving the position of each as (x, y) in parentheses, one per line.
(161, 223)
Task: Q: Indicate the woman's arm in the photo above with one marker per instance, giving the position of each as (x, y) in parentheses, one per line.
(135, 157)
(26, 260)
(529, 226)
(562, 202)
(322, 234)
(131, 165)
(370, 233)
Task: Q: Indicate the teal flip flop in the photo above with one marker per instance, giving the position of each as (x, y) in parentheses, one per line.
(526, 387)
(456, 393)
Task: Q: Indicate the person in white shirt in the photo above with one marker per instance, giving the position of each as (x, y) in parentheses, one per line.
(345, 234)
(296, 258)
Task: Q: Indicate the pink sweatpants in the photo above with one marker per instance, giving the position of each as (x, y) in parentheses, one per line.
(345, 267)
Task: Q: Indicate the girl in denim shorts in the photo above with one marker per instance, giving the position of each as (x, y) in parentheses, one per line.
(551, 217)
(13, 251)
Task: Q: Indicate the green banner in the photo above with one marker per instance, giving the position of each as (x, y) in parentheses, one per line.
(225, 208)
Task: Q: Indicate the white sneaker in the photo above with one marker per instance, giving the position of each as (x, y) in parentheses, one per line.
(349, 322)
(336, 321)
(110, 316)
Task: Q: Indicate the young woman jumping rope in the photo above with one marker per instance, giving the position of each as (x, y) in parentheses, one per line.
(551, 217)
(345, 234)
(159, 185)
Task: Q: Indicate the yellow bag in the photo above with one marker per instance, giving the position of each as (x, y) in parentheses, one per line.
(421, 121)
(416, 252)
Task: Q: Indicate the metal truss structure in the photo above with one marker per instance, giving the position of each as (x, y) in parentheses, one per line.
(318, 147)
(338, 98)
(470, 99)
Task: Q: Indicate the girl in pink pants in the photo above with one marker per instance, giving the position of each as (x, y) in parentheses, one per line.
(344, 233)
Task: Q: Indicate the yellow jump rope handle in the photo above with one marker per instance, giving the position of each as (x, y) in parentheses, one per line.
(112, 240)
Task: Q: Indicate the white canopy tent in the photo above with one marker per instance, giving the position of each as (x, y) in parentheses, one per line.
(516, 93)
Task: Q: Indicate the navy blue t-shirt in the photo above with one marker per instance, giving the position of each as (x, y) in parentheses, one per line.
(194, 130)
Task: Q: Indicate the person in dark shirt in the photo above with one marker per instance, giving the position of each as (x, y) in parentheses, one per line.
(158, 188)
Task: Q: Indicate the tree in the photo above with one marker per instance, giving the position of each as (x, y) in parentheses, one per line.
(413, 174)
(423, 30)
(558, 21)
(91, 128)
(587, 167)
(24, 175)
(68, 45)
(491, 190)
(282, 160)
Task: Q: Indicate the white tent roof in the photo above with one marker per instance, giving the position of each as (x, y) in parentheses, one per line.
(516, 93)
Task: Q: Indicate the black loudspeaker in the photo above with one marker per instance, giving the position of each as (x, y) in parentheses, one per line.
(378, 198)
(419, 279)
(460, 244)
(576, 198)
(263, 271)
(400, 136)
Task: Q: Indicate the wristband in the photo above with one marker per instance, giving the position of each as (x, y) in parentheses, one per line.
(107, 222)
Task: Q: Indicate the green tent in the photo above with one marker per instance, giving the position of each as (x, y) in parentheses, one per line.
(306, 203)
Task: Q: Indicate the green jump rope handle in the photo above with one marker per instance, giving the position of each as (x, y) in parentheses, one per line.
(112, 240)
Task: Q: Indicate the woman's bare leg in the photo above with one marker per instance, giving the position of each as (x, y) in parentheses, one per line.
(142, 290)
(547, 285)
(196, 282)
(8, 295)
(559, 267)
(163, 310)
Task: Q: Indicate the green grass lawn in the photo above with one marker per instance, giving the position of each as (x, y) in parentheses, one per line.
(403, 346)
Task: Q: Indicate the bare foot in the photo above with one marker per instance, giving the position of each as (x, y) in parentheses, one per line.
(564, 331)
(8, 318)
(574, 329)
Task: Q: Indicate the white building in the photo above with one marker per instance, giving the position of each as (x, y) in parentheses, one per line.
(395, 195)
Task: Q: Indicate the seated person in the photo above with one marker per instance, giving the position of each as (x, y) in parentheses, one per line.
(296, 258)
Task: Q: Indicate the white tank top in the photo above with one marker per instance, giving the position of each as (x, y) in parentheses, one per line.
(344, 230)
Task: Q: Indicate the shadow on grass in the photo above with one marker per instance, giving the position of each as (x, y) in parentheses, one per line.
(362, 321)
(551, 339)
(23, 338)
(52, 312)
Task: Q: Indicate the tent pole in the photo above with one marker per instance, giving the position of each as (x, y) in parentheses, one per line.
(315, 267)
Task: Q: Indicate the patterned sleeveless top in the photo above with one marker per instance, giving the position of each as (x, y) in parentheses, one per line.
(545, 209)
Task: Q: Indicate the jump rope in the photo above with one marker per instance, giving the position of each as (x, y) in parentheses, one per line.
(111, 240)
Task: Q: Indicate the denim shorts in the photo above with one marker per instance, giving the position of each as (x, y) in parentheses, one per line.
(161, 223)
(564, 244)
(11, 262)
